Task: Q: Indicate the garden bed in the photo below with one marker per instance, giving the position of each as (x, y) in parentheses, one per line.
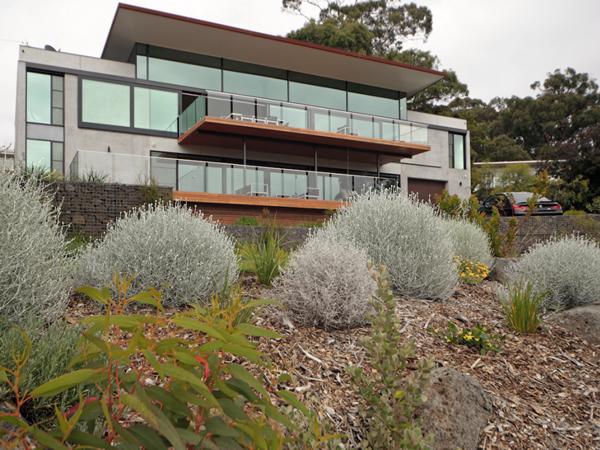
(544, 387)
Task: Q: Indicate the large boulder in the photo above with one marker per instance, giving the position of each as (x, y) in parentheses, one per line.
(456, 410)
(584, 321)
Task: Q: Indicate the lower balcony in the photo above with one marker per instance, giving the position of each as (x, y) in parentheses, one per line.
(211, 182)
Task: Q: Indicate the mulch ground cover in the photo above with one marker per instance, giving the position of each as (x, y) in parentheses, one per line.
(545, 387)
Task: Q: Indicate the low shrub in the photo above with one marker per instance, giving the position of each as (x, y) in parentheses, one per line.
(35, 270)
(470, 242)
(393, 391)
(327, 284)
(471, 272)
(198, 396)
(477, 337)
(266, 257)
(50, 349)
(522, 307)
(502, 243)
(565, 269)
(168, 246)
(405, 235)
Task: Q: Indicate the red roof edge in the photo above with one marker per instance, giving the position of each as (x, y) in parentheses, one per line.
(265, 36)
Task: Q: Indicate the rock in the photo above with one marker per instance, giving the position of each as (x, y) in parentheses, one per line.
(498, 272)
(456, 410)
(584, 321)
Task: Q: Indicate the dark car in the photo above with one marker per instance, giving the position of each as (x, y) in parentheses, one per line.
(517, 204)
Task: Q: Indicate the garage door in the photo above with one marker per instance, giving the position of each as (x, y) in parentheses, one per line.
(426, 189)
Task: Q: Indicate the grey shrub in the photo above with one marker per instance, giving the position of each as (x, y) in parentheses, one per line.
(405, 235)
(327, 284)
(169, 247)
(34, 267)
(566, 269)
(469, 241)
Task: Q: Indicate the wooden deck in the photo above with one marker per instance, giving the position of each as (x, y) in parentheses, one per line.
(230, 126)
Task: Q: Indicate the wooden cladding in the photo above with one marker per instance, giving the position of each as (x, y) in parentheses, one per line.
(265, 202)
(227, 209)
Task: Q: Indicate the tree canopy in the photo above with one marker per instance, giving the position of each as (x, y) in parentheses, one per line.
(559, 122)
(379, 28)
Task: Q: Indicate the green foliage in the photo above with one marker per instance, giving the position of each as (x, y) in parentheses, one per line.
(93, 177)
(152, 192)
(371, 27)
(477, 337)
(574, 212)
(50, 349)
(39, 174)
(392, 392)
(78, 242)
(183, 388)
(266, 257)
(521, 307)
(517, 178)
(247, 221)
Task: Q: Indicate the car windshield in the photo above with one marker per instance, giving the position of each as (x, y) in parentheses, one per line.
(523, 197)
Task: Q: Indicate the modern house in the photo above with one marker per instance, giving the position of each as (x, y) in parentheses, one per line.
(233, 120)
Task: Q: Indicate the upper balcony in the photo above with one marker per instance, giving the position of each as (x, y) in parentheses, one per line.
(252, 116)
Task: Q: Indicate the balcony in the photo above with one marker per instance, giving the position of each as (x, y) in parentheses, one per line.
(237, 114)
(227, 183)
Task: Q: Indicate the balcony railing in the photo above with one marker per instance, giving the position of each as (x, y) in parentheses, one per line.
(222, 178)
(263, 111)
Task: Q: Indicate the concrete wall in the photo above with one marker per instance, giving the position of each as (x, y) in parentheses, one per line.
(433, 165)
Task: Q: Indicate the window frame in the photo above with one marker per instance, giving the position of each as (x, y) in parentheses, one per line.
(52, 143)
(451, 164)
(52, 75)
(131, 129)
(150, 51)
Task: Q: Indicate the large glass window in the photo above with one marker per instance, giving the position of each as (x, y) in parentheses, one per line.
(370, 104)
(39, 154)
(39, 95)
(184, 74)
(254, 85)
(44, 98)
(45, 155)
(457, 151)
(105, 103)
(155, 109)
(325, 97)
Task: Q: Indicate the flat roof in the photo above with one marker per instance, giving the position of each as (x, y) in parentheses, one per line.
(135, 24)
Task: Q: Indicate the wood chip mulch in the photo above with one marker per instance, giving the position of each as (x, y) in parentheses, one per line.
(545, 388)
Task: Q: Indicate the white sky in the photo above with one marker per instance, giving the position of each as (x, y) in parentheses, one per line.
(498, 47)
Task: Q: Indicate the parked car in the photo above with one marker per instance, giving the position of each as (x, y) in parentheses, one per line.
(517, 204)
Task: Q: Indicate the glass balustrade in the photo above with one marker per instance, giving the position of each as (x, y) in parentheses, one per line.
(262, 111)
(222, 178)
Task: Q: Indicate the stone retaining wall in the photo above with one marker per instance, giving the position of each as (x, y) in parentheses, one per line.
(87, 208)
(541, 228)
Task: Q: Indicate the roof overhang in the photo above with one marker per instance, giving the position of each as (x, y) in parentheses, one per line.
(134, 24)
(228, 126)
